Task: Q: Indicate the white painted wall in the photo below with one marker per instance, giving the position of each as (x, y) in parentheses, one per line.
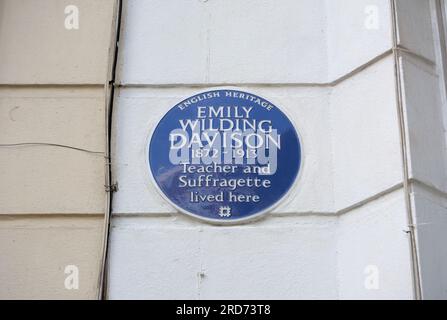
(232, 41)
(426, 113)
(348, 211)
(357, 32)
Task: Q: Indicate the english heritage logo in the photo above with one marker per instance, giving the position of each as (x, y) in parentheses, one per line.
(224, 155)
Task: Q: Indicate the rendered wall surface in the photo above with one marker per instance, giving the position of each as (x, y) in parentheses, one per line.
(223, 42)
(425, 106)
(52, 198)
(341, 233)
(37, 48)
(347, 213)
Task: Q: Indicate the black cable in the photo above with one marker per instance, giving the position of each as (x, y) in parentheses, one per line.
(104, 267)
(31, 144)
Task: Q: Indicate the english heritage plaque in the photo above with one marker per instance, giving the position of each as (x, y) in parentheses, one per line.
(224, 156)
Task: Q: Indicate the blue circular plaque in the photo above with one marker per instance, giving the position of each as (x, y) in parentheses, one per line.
(224, 155)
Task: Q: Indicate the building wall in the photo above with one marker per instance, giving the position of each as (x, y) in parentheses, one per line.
(52, 198)
(421, 31)
(335, 76)
(363, 98)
